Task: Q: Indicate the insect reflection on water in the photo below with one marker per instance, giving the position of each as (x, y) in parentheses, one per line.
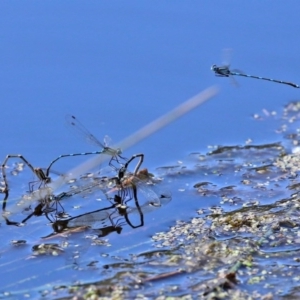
(127, 204)
(98, 183)
(136, 198)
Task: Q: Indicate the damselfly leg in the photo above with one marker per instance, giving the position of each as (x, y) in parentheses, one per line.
(122, 171)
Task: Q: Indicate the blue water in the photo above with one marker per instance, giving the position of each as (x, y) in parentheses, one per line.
(117, 66)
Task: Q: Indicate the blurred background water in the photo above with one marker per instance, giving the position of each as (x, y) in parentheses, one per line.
(117, 66)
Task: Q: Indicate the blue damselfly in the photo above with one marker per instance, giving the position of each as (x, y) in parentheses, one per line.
(224, 71)
(73, 123)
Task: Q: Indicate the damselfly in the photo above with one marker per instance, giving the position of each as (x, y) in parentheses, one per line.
(73, 123)
(224, 71)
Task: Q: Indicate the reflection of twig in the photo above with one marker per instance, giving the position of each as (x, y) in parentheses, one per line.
(161, 276)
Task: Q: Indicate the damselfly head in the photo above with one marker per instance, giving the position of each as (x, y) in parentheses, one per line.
(213, 67)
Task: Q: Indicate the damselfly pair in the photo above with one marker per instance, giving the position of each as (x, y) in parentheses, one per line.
(43, 175)
(224, 71)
